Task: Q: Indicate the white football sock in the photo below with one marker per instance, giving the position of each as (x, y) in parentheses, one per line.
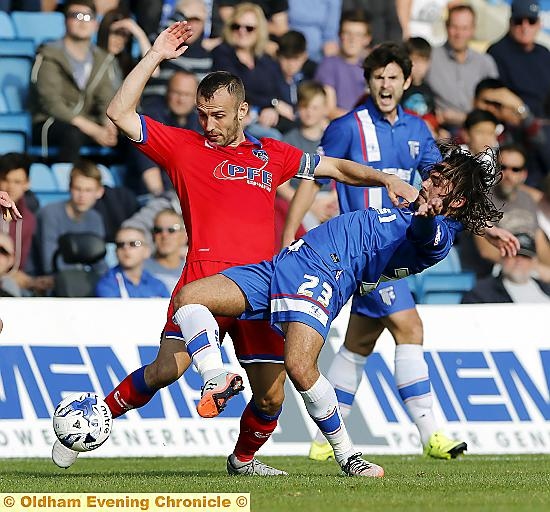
(201, 333)
(413, 383)
(322, 405)
(345, 374)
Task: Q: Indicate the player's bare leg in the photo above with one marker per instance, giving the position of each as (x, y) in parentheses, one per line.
(195, 304)
(346, 371)
(302, 347)
(259, 419)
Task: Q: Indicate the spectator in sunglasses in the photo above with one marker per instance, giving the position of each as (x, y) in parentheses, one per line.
(524, 65)
(129, 279)
(170, 241)
(71, 87)
(524, 68)
(245, 36)
(115, 35)
(519, 210)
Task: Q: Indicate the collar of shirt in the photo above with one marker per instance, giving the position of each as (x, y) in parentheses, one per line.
(515, 46)
(452, 54)
(144, 280)
(250, 139)
(377, 116)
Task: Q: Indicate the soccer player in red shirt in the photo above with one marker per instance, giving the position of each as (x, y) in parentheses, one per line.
(226, 182)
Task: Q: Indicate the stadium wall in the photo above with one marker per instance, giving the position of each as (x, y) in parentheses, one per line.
(490, 370)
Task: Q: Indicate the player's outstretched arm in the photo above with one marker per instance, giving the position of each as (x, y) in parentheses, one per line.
(503, 240)
(123, 107)
(300, 204)
(352, 173)
(8, 208)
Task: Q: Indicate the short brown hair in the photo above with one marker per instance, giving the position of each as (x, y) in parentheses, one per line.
(221, 80)
(87, 3)
(419, 46)
(355, 16)
(459, 8)
(308, 89)
(86, 168)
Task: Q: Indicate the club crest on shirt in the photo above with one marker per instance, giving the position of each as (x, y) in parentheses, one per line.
(414, 148)
(261, 154)
(258, 177)
(387, 295)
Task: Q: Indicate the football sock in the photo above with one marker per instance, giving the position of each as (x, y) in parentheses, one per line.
(413, 383)
(131, 393)
(256, 429)
(322, 405)
(201, 334)
(345, 374)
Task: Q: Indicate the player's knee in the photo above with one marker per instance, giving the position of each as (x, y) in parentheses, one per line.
(182, 298)
(271, 402)
(300, 374)
(410, 331)
(361, 347)
(413, 333)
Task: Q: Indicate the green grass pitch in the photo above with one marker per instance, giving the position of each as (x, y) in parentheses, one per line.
(484, 483)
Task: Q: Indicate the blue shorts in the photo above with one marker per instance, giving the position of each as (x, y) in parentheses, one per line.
(387, 298)
(295, 287)
(255, 281)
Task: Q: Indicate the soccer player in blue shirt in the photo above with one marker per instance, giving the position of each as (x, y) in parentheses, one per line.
(305, 286)
(381, 133)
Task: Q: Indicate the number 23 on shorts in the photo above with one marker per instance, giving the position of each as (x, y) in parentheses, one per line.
(307, 289)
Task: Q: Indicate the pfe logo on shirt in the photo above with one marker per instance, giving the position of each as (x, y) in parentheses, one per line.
(258, 177)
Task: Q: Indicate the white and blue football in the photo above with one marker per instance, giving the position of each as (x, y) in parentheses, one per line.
(82, 422)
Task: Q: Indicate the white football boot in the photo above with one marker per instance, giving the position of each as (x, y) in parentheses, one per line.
(62, 456)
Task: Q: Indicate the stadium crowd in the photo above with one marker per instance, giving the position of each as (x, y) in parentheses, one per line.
(94, 205)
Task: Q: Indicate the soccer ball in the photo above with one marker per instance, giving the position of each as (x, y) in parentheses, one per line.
(82, 422)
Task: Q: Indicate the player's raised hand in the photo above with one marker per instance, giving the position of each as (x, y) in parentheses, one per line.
(431, 208)
(400, 192)
(503, 240)
(8, 208)
(170, 43)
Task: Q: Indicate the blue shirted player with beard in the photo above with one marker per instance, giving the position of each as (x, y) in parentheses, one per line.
(304, 287)
(381, 133)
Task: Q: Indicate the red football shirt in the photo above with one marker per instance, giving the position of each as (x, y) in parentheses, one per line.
(227, 194)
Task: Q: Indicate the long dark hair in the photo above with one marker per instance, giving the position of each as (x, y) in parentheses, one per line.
(473, 178)
(124, 58)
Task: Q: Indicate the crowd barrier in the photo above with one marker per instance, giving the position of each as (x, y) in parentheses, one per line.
(489, 365)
